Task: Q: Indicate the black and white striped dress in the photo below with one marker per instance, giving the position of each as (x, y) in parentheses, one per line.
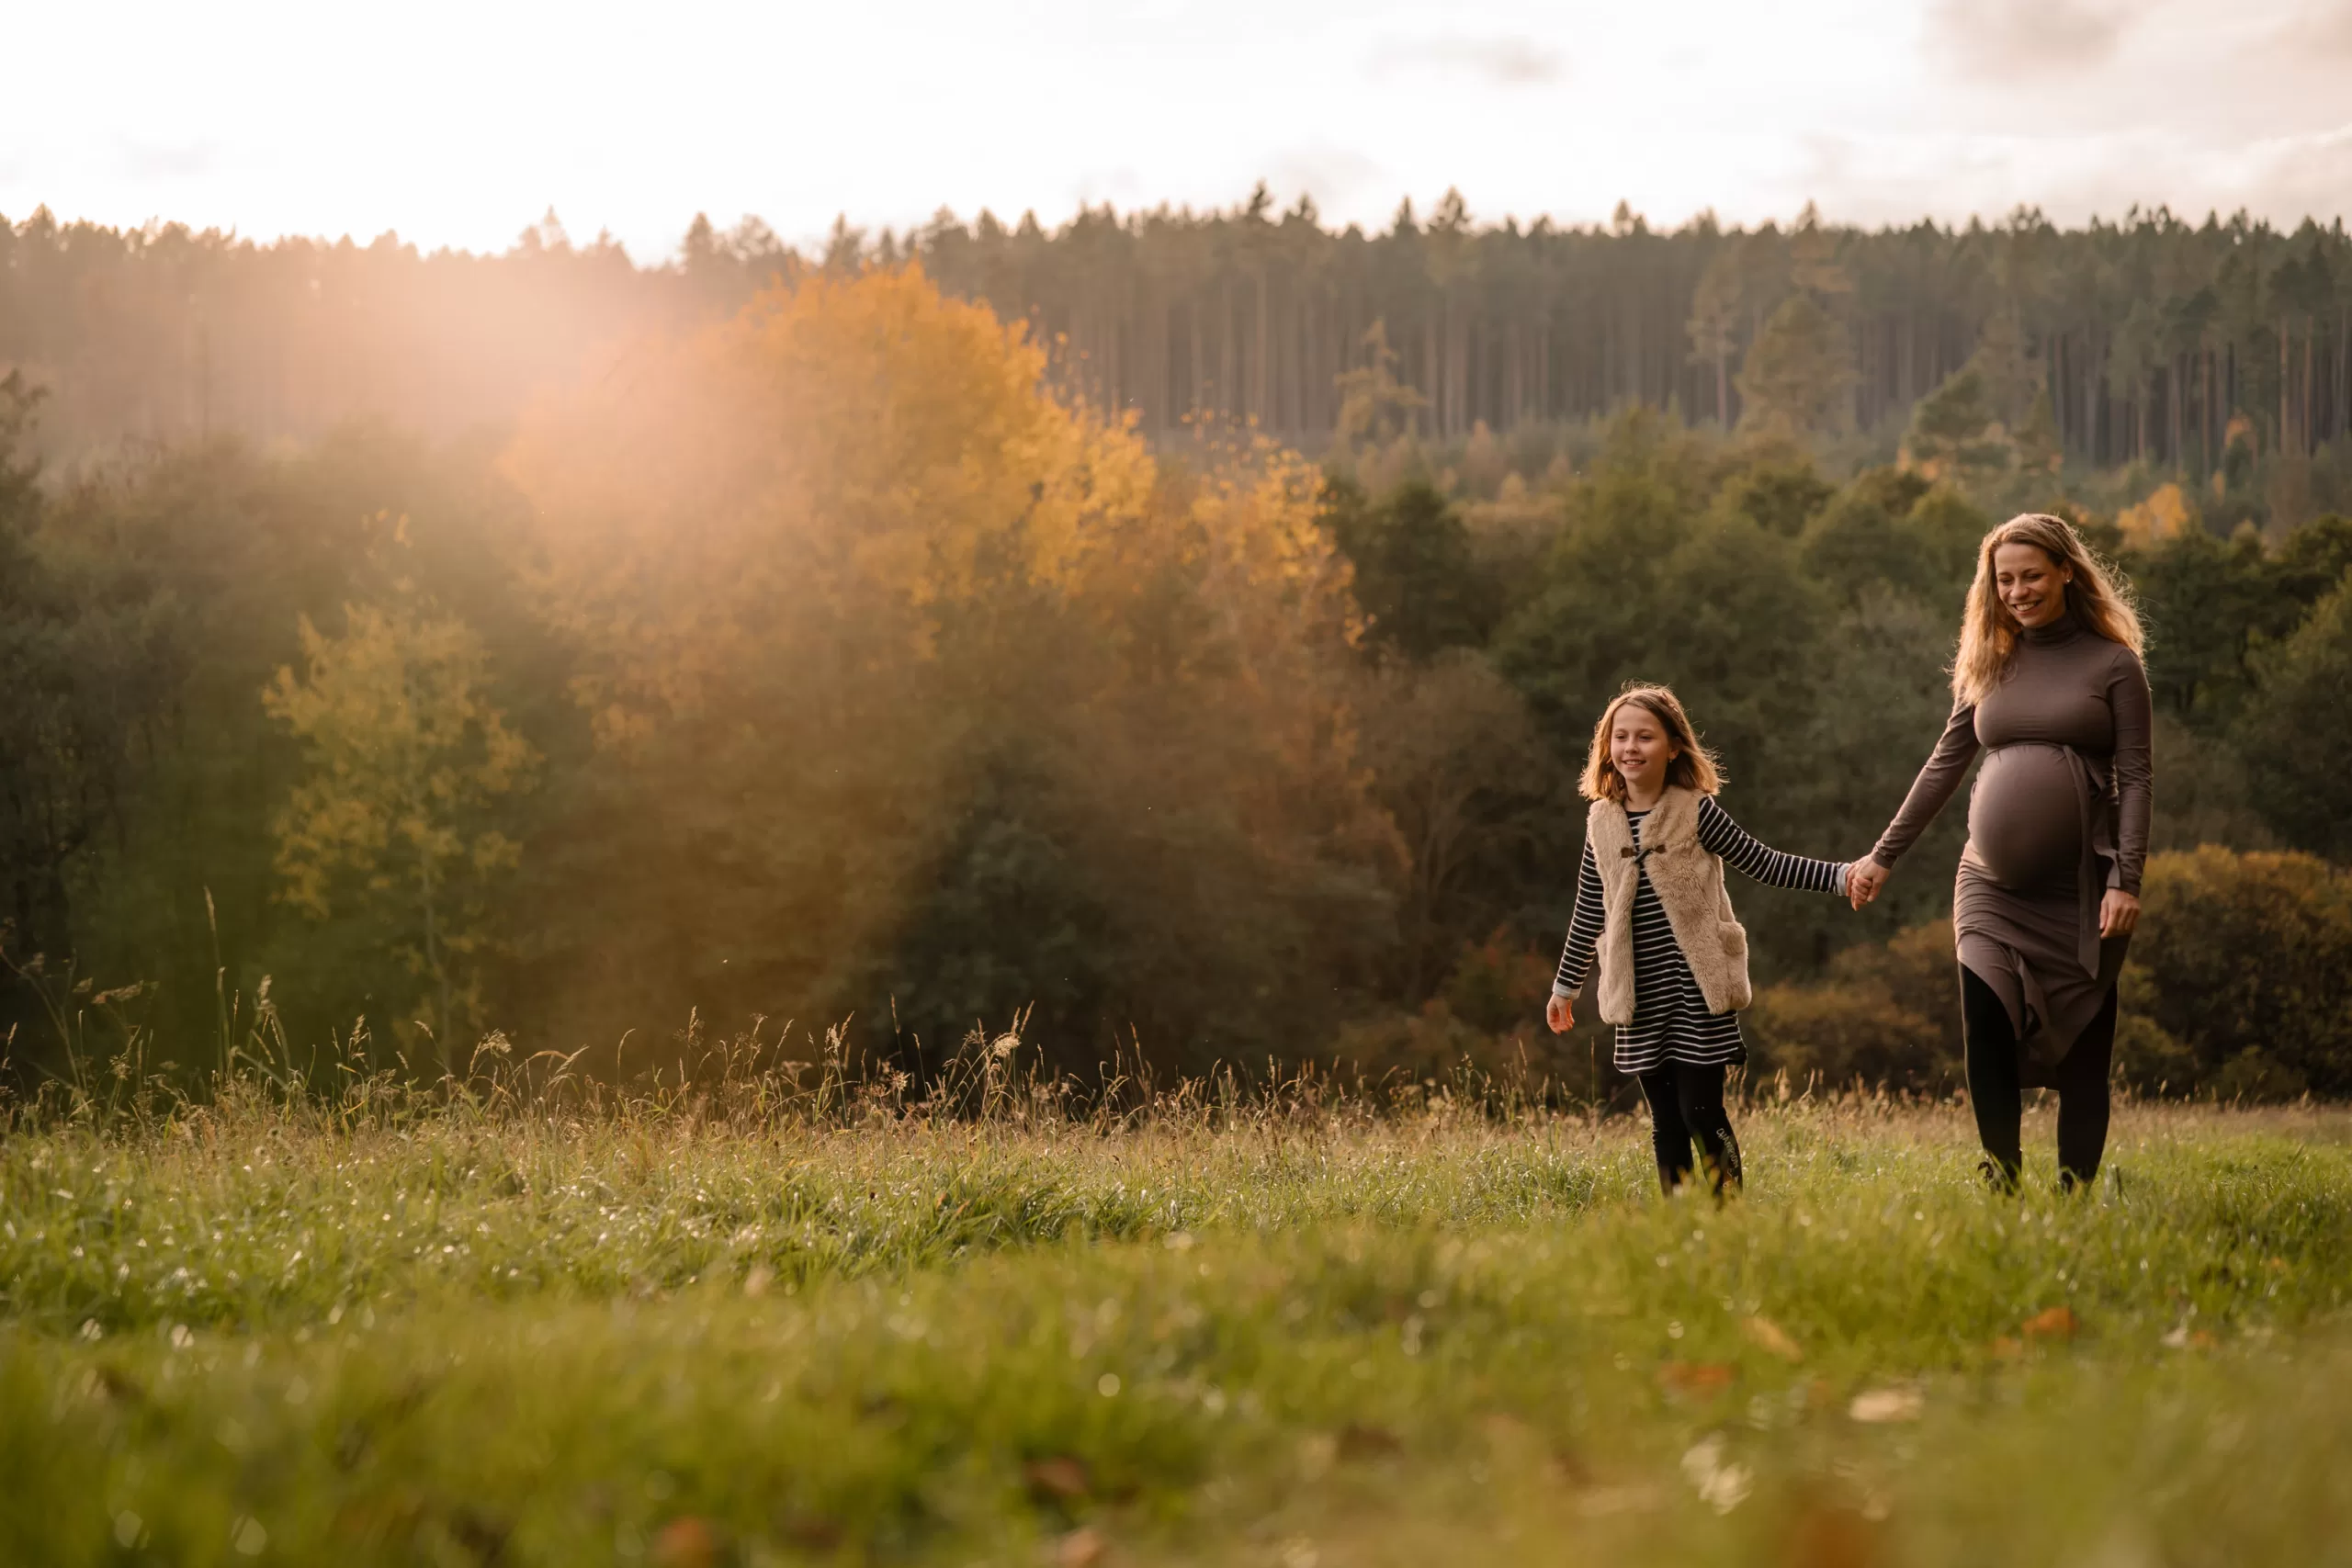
(1672, 1023)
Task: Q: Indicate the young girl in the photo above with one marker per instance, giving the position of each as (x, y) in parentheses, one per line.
(1650, 897)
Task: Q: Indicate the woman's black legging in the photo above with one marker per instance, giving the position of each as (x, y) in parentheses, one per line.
(1687, 1104)
(1999, 1098)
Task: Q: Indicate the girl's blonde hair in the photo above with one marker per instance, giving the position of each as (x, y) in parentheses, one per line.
(1693, 766)
(1988, 632)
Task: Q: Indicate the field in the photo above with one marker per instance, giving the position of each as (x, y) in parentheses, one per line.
(1290, 1332)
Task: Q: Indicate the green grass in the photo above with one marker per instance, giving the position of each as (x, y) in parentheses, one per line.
(1286, 1336)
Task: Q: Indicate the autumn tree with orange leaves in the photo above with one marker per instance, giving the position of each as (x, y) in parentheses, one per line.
(917, 691)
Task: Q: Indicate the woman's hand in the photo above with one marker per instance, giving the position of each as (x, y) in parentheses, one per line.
(1559, 1015)
(2119, 913)
(1864, 880)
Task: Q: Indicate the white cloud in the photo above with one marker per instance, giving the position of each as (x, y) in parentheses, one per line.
(2028, 37)
(1497, 62)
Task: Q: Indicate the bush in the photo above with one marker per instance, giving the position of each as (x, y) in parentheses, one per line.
(1834, 1034)
(1887, 1014)
(2246, 961)
(2293, 738)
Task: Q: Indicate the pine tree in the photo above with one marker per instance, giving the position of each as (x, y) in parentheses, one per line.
(1953, 432)
(1795, 377)
(2004, 362)
(2038, 449)
(1714, 322)
(1374, 408)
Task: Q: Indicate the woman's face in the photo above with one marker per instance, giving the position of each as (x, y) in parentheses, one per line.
(2031, 585)
(1638, 744)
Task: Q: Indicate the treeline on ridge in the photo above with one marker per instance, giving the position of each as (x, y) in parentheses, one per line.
(2153, 340)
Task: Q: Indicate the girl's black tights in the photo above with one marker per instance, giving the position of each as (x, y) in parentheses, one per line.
(1998, 1099)
(1687, 1104)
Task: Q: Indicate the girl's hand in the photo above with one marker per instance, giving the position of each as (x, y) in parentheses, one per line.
(1559, 1015)
(1864, 880)
(2119, 913)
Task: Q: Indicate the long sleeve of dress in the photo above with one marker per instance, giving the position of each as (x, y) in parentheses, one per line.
(2127, 694)
(1584, 930)
(1946, 766)
(1744, 854)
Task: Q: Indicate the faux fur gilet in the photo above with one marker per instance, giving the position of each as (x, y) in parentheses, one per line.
(1690, 882)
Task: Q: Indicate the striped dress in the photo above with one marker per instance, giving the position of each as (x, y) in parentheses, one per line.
(1672, 1023)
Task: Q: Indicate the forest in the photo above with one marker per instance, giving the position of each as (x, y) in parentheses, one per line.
(1174, 637)
(2156, 339)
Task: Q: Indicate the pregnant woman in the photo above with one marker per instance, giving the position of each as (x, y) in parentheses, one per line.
(2048, 684)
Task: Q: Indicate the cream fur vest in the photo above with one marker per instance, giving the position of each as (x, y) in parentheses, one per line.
(1690, 882)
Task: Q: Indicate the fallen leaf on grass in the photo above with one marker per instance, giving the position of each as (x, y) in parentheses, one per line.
(484, 1535)
(1505, 1431)
(1766, 1335)
(1830, 1536)
(1061, 1477)
(1602, 1501)
(684, 1542)
(2184, 1339)
(1080, 1548)
(1359, 1441)
(812, 1531)
(1879, 1405)
(1696, 1377)
(1722, 1487)
(2053, 1322)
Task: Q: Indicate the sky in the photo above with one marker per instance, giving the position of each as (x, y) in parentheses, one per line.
(460, 122)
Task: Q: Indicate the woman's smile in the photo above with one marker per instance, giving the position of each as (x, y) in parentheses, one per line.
(2031, 585)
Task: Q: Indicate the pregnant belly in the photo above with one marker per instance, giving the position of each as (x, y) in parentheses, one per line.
(2024, 818)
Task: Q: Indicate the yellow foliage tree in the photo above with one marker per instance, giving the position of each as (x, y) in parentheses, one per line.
(843, 583)
(2165, 515)
(856, 444)
(403, 757)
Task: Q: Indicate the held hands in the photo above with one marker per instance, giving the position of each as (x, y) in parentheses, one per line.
(2119, 913)
(1864, 880)
(1559, 1015)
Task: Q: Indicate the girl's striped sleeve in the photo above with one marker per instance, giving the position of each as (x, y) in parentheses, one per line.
(1584, 930)
(1742, 853)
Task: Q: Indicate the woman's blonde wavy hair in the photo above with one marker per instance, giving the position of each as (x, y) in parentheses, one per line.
(1693, 766)
(1988, 632)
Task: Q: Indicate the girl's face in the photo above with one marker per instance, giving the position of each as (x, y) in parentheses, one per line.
(2031, 585)
(1639, 747)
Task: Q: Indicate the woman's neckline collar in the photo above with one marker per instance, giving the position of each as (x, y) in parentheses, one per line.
(2062, 629)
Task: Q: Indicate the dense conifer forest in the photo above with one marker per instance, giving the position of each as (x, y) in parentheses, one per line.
(2151, 336)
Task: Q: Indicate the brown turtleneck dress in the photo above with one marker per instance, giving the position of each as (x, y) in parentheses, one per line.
(2059, 815)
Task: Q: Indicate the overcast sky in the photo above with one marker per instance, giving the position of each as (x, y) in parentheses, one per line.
(457, 122)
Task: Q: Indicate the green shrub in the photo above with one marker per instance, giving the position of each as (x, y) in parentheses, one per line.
(2246, 961)
(2293, 738)
(1888, 1013)
(1833, 1034)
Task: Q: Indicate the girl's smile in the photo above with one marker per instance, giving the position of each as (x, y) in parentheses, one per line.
(1639, 748)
